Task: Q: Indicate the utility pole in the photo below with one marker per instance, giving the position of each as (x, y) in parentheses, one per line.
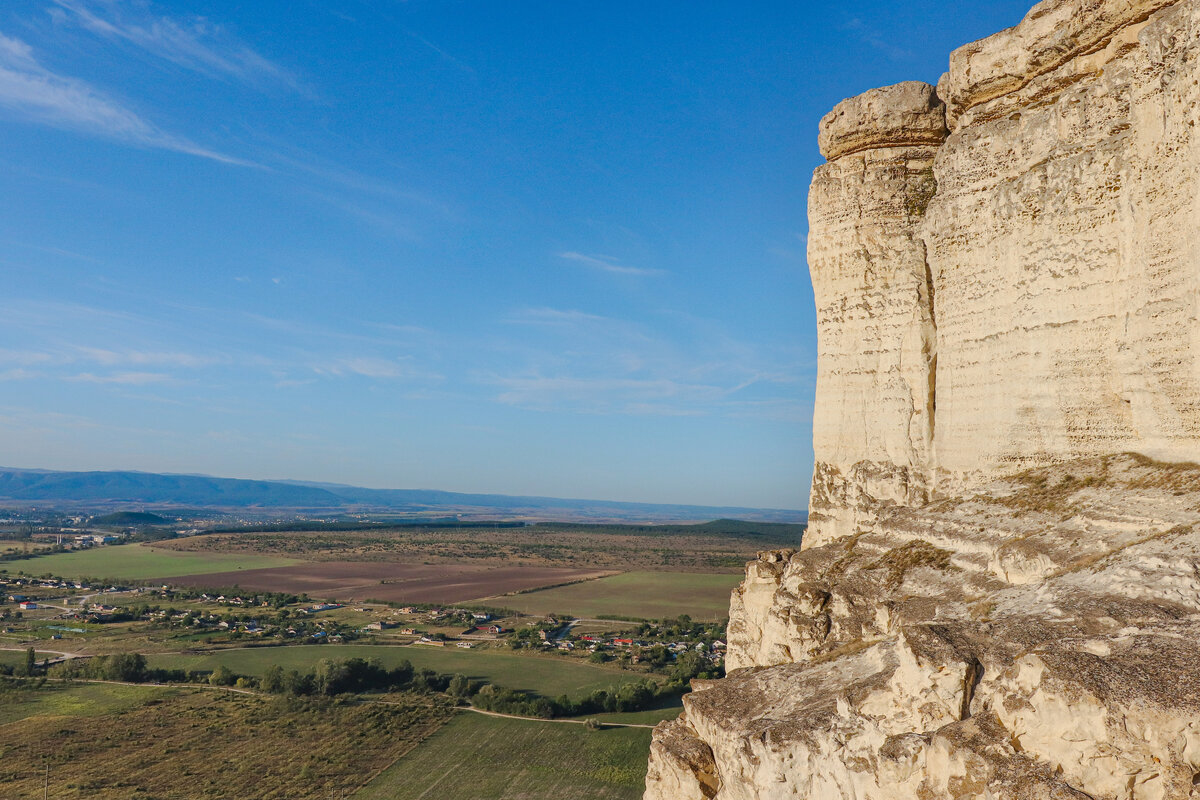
(46, 785)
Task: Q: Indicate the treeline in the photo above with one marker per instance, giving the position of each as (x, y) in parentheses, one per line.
(330, 678)
(638, 696)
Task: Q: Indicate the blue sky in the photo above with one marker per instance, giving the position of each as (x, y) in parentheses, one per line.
(549, 248)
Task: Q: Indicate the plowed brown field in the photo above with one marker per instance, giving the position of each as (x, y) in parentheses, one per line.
(396, 582)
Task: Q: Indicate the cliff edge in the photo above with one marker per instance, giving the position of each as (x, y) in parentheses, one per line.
(999, 593)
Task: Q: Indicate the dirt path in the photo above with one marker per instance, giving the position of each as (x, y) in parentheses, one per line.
(236, 690)
(62, 657)
(560, 721)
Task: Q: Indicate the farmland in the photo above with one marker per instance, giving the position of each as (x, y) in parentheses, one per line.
(191, 744)
(488, 758)
(304, 742)
(546, 675)
(714, 547)
(646, 595)
(389, 581)
(140, 562)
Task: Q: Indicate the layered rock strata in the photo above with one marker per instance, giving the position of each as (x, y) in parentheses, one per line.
(873, 419)
(999, 594)
(1010, 279)
(1037, 640)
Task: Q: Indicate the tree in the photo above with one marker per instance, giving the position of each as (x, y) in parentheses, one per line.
(30, 662)
(272, 679)
(221, 676)
(460, 687)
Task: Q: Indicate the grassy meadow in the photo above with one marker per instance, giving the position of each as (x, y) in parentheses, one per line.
(489, 758)
(645, 595)
(547, 675)
(16, 658)
(138, 562)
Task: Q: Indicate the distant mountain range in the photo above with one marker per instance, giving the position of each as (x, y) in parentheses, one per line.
(111, 489)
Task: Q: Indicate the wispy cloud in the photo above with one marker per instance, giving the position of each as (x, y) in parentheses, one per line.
(372, 367)
(126, 378)
(445, 56)
(669, 365)
(149, 358)
(609, 264)
(875, 40)
(195, 44)
(30, 91)
(553, 316)
(604, 395)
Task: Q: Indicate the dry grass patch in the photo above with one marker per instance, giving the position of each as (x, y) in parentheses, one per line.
(917, 553)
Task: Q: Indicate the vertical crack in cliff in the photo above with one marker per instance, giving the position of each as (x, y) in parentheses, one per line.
(931, 384)
(970, 684)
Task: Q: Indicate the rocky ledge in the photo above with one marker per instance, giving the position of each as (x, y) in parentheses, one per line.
(1037, 639)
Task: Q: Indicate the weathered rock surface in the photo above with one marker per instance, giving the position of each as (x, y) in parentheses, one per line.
(1061, 241)
(998, 597)
(873, 420)
(1037, 639)
(1010, 279)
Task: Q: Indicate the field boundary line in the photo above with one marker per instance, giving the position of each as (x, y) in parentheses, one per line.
(559, 721)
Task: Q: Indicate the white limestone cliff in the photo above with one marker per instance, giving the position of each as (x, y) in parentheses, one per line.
(873, 419)
(1006, 269)
(999, 594)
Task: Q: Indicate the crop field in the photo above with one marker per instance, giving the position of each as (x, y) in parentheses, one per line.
(136, 562)
(105, 742)
(548, 675)
(489, 758)
(645, 595)
(398, 582)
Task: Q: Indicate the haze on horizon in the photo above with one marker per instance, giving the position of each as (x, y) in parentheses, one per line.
(525, 248)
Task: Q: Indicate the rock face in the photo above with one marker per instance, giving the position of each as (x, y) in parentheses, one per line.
(998, 597)
(1010, 279)
(873, 420)
(1039, 639)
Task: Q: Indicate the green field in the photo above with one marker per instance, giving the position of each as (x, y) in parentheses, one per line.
(645, 595)
(137, 562)
(488, 758)
(15, 658)
(650, 717)
(86, 700)
(549, 676)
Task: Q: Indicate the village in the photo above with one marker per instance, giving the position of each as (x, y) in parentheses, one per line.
(48, 607)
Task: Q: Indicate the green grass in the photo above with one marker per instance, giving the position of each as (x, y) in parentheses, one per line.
(487, 758)
(137, 562)
(549, 676)
(16, 658)
(652, 717)
(646, 595)
(82, 700)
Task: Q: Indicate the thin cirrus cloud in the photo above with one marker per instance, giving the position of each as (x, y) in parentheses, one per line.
(195, 44)
(32, 92)
(609, 264)
(125, 378)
